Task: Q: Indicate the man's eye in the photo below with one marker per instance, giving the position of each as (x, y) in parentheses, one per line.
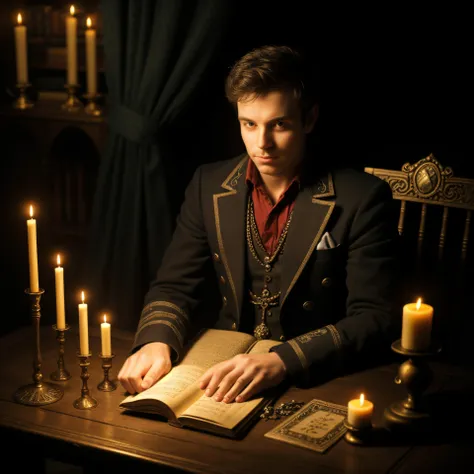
(280, 124)
(249, 124)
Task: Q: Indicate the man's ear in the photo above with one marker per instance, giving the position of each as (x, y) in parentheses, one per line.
(311, 118)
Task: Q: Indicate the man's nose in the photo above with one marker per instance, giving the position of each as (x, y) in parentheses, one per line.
(265, 139)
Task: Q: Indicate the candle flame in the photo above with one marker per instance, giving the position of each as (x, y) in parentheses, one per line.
(58, 259)
(105, 318)
(418, 304)
(31, 211)
(89, 22)
(72, 10)
(82, 296)
(19, 19)
(361, 400)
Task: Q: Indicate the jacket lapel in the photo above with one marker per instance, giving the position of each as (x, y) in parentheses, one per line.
(229, 214)
(310, 217)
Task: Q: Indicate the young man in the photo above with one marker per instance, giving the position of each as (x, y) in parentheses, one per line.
(302, 254)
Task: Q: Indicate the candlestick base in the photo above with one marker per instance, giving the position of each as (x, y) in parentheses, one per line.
(61, 374)
(72, 104)
(92, 107)
(107, 385)
(410, 414)
(358, 436)
(22, 102)
(85, 401)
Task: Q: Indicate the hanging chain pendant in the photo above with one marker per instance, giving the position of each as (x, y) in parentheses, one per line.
(261, 331)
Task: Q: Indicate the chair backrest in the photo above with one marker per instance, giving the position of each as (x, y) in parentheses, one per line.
(428, 182)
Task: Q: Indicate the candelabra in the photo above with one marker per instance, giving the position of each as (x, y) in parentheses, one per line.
(85, 401)
(72, 103)
(410, 414)
(107, 385)
(92, 107)
(22, 102)
(39, 392)
(61, 374)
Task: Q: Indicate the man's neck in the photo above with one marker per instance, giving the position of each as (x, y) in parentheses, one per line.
(275, 186)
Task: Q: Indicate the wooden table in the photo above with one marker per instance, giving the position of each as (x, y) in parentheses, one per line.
(104, 438)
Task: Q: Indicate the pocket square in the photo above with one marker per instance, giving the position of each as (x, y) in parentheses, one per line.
(326, 242)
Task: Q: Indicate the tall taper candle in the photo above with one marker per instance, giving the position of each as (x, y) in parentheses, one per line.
(60, 303)
(83, 328)
(71, 42)
(21, 51)
(105, 338)
(91, 59)
(33, 253)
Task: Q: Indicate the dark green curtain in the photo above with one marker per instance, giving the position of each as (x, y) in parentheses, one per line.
(156, 56)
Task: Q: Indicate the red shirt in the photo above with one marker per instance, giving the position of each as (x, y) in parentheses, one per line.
(270, 218)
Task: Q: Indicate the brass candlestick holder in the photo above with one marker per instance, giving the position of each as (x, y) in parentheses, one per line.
(358, 436)
(410, 414)
(85, 401)
(39, 392)
(22, 102)
(72, 104)
(107, 385)
(61, 374)
(92, 107)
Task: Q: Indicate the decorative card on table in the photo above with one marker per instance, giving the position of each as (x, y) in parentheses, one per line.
(316, 426)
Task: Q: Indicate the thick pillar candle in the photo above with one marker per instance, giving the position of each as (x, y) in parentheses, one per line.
(21, 52)
(60, 303)
(359, 412)
(33, 253)
(83, 328)
(71, 44)
(106, 338)
(416, 326)
(91, 60)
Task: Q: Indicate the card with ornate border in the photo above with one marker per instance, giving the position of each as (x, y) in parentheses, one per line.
(316, 426)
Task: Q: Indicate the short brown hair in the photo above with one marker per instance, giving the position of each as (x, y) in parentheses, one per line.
(270, 68)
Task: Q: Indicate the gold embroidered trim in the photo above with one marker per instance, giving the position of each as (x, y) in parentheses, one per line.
(166, 304)
(313, 245)
(323, 192)
(156, 314)
(299, 353)
(335, 336)
(307, 337)
(166, 323)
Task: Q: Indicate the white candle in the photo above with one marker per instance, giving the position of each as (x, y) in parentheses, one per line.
(91, 61)
(60, 303)
(21, 52)
(71, 43)
(359, 412)
(33, 253)
(105, 338)
(416, 326)
(83, 328)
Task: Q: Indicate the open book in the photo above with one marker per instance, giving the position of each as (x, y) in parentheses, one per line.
(178, 398)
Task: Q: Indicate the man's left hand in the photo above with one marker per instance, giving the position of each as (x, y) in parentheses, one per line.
(243, 376)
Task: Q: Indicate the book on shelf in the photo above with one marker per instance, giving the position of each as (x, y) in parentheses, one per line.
(178, 398)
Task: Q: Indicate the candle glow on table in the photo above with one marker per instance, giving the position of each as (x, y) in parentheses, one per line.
(21, 51)
(91, 61)
(359, 413)
(83, 327)
(71, 43)
(105, 338)
(60, 303)
(33, 253)
(416, 326)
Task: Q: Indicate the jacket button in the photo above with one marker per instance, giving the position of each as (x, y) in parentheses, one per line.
(282, 338)
(326, 282)
(234, 327)
(308, 305)
(216, 257)
(222, 280)
(224, 301)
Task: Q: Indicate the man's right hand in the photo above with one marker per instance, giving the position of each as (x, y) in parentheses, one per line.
(145, 367)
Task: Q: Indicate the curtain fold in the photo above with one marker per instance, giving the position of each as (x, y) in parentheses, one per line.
(156, 56)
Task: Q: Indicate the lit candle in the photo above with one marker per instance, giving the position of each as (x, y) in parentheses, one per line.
(60, 304)
(71, 42)
(91, 58)
(83, 328)
(359, 413)
(105, 337)
(21, 54)
(416, 326)
(33, 253)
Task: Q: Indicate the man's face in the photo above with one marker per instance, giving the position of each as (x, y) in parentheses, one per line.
(274, 133)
